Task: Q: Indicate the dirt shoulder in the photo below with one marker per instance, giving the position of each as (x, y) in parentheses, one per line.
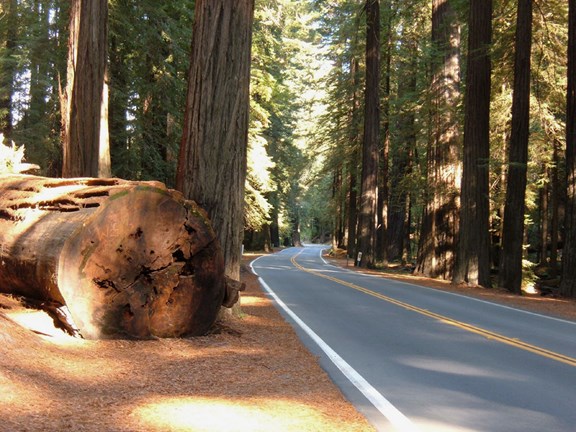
(251, 375)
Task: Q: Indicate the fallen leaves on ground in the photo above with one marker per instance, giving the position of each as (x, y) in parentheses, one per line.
(252, 375)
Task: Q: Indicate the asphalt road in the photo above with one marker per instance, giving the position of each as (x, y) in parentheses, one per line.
(417, 359)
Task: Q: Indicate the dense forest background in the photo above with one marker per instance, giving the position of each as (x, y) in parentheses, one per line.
(362, 119)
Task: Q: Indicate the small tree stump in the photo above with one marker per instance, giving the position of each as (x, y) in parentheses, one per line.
(129, 259)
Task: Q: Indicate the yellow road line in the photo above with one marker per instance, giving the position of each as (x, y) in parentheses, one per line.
(471, 328)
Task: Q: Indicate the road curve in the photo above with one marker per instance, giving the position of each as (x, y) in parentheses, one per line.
(413, 358)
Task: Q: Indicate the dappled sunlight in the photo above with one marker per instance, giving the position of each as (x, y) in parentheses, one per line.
(216, 414)
(453, 368)
(41, 323)
(37, 200)
(437, 426)
(15, 392)
(277, 267)
(254, 301)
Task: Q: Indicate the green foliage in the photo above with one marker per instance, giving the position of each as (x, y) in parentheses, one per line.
(149, 58)
(306, 98)
(282, 60)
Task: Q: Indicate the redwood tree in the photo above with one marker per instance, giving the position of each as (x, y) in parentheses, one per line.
(440, 219)
(212, 161)
(369, 188)
(510, 274)
(473, 258)
(85, 104)
(568, 283)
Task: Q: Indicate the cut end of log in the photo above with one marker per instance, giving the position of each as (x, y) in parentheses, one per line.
(128, 259)
(145, 265)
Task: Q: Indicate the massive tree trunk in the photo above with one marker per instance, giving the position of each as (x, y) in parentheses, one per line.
(382, 235)
(556, 191)
(568, 283)
(85, 104)
(353, 159)
(212, 161)
(510, 274)
(129, 259)
(473, 251)
(402, 156)
(368, 217)
(440, 220)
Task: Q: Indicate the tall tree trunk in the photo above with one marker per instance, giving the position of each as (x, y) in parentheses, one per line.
(86, 147)
(472, 263)
(338, 228)
(212, 161)
(383, 191)
(354, 159)
(440, 219)
(352, 210)
(555, 202)
(401, 157)
(568, 283)
(544, 209)
(510, 275)
(275, 217)
(369, 192)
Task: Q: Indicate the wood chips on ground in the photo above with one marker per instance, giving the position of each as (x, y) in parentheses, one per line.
(253, 375)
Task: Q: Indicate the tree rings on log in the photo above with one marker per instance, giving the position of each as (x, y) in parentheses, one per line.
(129, 259)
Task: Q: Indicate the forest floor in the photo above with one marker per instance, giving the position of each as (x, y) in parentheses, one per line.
(251, 374)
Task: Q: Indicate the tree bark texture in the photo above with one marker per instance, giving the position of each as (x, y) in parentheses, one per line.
(212, 161)
(368, 218)
(86, 146)
(382, 230)
(354, 158)
(402, 156)
(440, 220)
(568, 282)
(129, 259)
(510, 273)
(473, 252)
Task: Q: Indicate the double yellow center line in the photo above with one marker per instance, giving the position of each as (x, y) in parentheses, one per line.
(478, 330)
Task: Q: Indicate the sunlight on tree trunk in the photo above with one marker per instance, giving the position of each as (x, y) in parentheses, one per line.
(440, 220)
(212, 162)
(369, 195)
(510, 274)
(473, 258)
(84, 102)
(568, 284)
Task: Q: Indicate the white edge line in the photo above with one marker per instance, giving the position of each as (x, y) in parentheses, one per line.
(383, 276)
(394, 416)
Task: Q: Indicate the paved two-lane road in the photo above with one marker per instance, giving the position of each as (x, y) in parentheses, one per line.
(414, 358)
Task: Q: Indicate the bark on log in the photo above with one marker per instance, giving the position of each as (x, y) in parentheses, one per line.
(129, 259)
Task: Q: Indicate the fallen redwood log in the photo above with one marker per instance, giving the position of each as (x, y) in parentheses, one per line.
(128, 259)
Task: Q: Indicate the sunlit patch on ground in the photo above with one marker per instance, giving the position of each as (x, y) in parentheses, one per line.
(204, 414)
(15, 392)
(253, 301)
(39, 322)
(256, 378)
